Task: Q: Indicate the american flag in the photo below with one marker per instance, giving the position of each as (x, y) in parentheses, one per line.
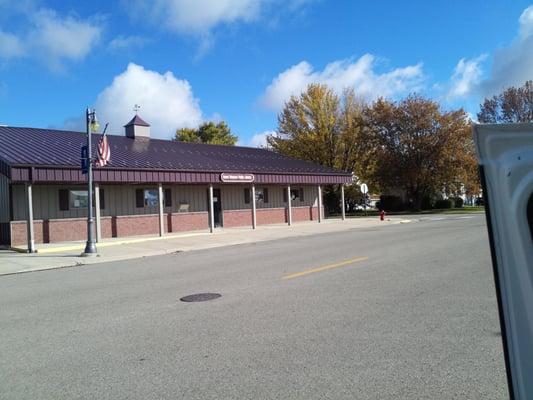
(103, 150)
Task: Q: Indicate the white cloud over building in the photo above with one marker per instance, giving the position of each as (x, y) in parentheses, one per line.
(167, 103)
(360, 74)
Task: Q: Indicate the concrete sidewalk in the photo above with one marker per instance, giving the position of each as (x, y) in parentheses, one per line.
(60, 255)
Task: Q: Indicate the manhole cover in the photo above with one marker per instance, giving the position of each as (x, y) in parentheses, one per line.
(200, 297)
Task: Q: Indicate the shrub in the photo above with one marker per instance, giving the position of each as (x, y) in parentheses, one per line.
(458, 202)
(427, 203)
(331, 201)
(444, 203)
(390, 203)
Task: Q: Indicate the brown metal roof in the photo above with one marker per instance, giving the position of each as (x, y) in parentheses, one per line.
(137, 121)
(33, 147)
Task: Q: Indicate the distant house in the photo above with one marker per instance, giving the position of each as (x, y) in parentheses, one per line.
(150, 186)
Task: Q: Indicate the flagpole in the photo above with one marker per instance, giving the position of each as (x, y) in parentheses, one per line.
(90, 246)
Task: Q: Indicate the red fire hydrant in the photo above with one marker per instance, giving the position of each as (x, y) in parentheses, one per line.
(382, 215)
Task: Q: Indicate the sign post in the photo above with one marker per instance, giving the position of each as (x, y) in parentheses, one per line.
(364, 190)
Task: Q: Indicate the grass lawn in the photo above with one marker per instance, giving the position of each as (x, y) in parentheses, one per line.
(370, 213)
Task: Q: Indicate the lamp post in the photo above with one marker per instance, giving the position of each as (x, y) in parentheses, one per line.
(92, 126)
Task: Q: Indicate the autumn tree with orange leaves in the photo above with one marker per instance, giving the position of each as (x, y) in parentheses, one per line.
(411, 145)
(323, 127)
(419, 148)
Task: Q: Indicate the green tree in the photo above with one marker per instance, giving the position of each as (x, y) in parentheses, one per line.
(512, 105)
(208, 132)
(420, 149)
(324, 128)
(321, 127)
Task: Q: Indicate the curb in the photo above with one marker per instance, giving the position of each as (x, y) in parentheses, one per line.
(80, 247)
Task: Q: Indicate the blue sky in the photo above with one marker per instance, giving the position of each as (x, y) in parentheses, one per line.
(187, 61)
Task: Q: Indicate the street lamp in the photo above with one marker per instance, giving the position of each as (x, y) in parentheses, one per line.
(92, 125)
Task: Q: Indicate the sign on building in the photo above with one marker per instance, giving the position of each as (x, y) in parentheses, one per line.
(236, 178)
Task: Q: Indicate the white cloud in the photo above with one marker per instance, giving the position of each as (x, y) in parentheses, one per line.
(52, 39)
(200, 17)
(512, 65)
(466, 76)
(59, 39)
(526, 22)
(196, 17)
(124, 42)
(257, 140)
(166, 102)
(359, 74)
(260, 139)
(10, 46)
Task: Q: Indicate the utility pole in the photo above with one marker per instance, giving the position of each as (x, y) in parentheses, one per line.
(91, 124)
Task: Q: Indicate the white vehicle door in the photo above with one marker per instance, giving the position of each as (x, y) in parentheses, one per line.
(505, 153)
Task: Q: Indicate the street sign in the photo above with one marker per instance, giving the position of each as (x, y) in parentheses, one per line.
(364, 190)
(84, 160)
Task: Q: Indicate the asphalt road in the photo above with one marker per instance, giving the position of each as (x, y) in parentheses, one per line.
(417, 319)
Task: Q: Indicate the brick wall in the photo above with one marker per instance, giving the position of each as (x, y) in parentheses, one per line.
(70, 229)
(106, 227)
(271, 216)
(55, 230)
(19, 233)
(182, 222)
(314, 213)
(233, 218)
(64, 230)
(134, 225)
(301, 214)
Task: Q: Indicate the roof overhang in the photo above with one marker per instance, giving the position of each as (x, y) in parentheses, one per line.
(74, 175)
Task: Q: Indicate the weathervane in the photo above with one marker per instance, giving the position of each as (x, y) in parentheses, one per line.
(136, 108)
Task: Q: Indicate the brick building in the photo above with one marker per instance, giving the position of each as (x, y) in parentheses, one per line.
(150, 186)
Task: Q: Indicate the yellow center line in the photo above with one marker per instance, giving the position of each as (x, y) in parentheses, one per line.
(324, 268)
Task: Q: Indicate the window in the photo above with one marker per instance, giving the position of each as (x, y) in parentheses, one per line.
(102, 199)
(150, 197)
(261, 195)
(78, 199)
(296, 194)
(167, 200)
(63, 199)
(146, 198)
